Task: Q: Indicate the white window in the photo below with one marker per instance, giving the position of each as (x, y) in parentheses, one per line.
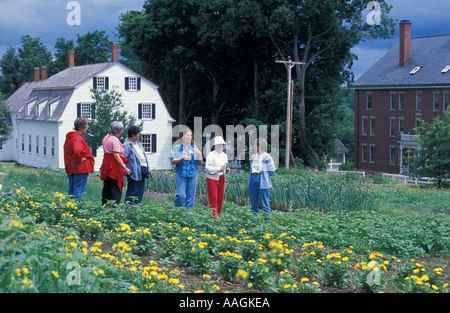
(146, 110)
(435, 101)
(446, 101)
(101, 83)
(392, 127)
(86, 110)
(401, 101)
(372, 126)
(364, 125)
(37, 144)
(29, 143)
(372, 153)
(23, 142)
(146, 140)
(391, 155)
(418, 102)
(393, 101)
(369, 101)
(401, 124)
(364, 153)
(132, 83)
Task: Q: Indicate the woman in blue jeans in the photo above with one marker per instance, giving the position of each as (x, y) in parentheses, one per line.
(186, 156)
(138, 165)
(262, 167)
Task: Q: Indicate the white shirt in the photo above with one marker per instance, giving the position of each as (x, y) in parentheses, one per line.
(214, 162)
(140, 154)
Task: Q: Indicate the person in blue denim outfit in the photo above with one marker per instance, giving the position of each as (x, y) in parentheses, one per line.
(186, 156)
(138, 165)
(262, 167)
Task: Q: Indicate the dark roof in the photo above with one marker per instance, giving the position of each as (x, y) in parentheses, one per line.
(340, 148)
(430, 53)
(56, 90)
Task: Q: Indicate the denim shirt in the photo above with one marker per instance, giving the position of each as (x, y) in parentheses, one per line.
(133, 161)
(267, 170)
(185, 168)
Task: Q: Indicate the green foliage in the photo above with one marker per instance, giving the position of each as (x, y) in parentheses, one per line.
(433, 157)
(107, 107)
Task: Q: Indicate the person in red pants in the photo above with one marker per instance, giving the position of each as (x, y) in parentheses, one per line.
(216, 167)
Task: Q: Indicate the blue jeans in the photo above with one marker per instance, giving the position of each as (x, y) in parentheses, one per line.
(77, 184)
(135, 189)
(186, 188)
(256, 194)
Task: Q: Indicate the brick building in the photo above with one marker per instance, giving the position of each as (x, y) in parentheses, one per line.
(409, 83)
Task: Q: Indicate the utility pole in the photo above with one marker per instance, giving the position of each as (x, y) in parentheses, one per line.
(289, 65)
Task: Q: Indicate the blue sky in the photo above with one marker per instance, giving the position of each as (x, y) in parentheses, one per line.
(47, 19)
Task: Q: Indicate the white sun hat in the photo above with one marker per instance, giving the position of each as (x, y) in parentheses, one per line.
(218, 140)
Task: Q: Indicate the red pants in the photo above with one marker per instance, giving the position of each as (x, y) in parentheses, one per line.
(215, 194)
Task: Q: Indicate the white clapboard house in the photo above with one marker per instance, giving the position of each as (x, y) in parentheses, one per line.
(43, 112)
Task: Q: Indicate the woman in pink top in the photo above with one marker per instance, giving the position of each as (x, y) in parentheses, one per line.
(113, 167)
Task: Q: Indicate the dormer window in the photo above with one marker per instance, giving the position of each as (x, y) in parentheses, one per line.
(415, 70)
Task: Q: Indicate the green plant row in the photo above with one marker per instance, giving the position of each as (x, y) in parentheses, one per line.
(47, 241)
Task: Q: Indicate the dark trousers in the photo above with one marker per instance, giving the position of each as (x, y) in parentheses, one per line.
(111, 191)
(135, 190)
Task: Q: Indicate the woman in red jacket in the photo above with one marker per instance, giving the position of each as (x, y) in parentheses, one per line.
(78, 158)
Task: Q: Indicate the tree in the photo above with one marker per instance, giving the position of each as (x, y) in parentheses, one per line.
(433, 157)
(320, 34)
(106, 108)
(17, 68)
(5, 121)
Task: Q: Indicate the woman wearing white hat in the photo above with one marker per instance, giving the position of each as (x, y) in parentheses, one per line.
(216, 167)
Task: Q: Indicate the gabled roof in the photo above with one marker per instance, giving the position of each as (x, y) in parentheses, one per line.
(431, 54)
(72, 76)
(57, 90)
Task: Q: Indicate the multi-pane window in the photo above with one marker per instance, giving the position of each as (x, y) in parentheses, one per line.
(364, 153)
(401, 124)
(401, 101)
(86, 110)
(435, 101)
(149, 142)
(101, 83)
(37, 144)
(364, 126)
(418, 102)
(53, 146)
(372, 153)
(147, 110)
(369, 101)
(132, 83)
(391, 155)
(23, 142)
(446, 101)
(372, 126)
(45, 146)
(392, 127)
(29, 143)
(393, 101)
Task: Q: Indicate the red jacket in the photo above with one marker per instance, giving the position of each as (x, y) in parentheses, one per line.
(75, 148)
(110, 168)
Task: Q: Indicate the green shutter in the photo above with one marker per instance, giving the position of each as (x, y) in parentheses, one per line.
(153, 143)
(94, 82)
(78, 110)
(140, 111)
(127, 83)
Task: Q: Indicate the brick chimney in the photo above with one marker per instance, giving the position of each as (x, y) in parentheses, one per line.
(36, 74)
(405, 42)
(43, 72)
(114, 52)
(71, 54)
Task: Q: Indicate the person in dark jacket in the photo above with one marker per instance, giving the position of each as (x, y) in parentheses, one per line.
(78, 159)
(138, 165)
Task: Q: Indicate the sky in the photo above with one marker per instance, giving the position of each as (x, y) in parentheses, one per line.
(47, 19)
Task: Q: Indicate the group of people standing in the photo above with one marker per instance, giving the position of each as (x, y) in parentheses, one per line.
(129, 159)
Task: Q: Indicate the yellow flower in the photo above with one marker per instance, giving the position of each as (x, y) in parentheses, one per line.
(56, 274)
(241, 274)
